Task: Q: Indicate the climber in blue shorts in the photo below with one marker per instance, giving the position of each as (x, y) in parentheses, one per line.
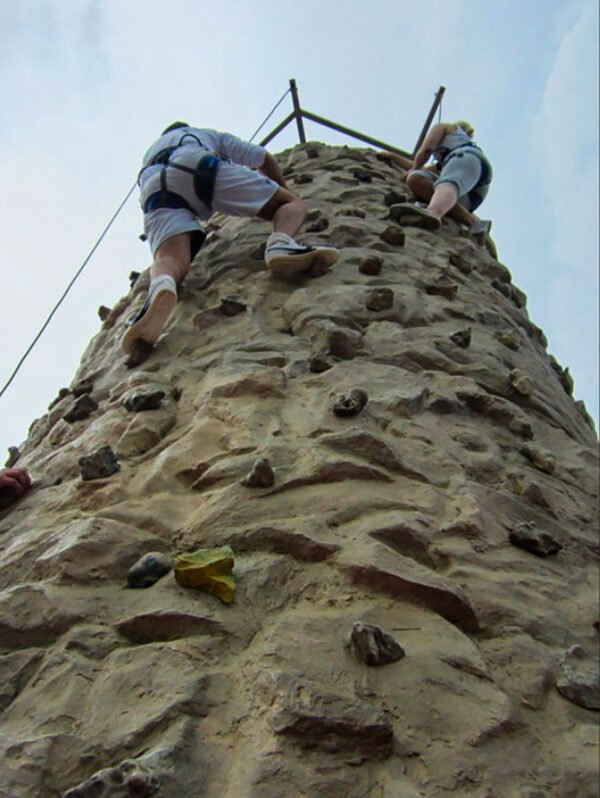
(456, 185)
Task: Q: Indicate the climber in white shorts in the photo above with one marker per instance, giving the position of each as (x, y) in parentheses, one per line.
(187, 175)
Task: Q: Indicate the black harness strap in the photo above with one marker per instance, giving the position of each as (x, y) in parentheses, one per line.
(204, 173)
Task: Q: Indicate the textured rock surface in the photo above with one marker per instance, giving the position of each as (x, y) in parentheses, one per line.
(400, 517)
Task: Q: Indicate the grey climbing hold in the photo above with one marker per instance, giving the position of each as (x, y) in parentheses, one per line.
(81, 408)
(536, 541)
(380, 299)
(510, 338)
(13, 456)
(462, 338)
(103, 312)
(138, 400)
(98, 465)
(133, 278)
(374, 646)
(261, 475)
(521, 383)
(149, 569)
(578, 679)
(443, 286)
(371, 265)
(232, 305)
(352, 404)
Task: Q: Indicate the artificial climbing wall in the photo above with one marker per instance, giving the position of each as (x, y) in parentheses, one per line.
(416, 603)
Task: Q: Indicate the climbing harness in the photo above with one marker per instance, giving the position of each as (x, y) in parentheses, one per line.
(204, 175)
(477, 194)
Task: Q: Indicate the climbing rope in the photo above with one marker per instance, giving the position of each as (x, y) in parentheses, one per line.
(66, 291)
(93, 249)
(275, 107)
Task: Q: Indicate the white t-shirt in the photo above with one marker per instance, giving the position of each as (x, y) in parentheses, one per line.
(225, 145)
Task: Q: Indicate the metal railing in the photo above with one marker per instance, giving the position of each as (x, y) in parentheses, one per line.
(299, 113)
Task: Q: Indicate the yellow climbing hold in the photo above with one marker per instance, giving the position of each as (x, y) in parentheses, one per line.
(208, 570)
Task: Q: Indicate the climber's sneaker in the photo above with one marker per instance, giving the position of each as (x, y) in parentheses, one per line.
(148, 323)
(407, 213)
(284, 255)
(480, 230)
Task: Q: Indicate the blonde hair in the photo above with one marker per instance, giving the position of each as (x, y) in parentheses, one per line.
(466, 126)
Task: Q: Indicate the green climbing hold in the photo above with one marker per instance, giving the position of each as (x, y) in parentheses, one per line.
(208, 570)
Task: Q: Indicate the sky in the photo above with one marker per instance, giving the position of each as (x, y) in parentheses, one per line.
(87, 85)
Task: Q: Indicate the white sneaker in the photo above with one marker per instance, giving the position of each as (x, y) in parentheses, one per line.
(480, 226)
(148, 323)
(284, 255)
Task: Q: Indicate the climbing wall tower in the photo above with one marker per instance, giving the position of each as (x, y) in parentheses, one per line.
(416, 604)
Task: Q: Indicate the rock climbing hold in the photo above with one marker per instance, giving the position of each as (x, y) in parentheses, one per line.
(140, 352)
(371, 265)
(443, 286)
(393, 235)
(394, 198)
(13, 456)
(139, 399)
(363, 175)
(81, 408)
(209, 570)
(578, 679)
(510, 338)
(149, 569)
(100, 464)
(521, 383)
(232, 305)
(352, 404)
(261, 475)
(462, 338)
(538, 542)
(319, 363)
(380, 299)
(374, 646)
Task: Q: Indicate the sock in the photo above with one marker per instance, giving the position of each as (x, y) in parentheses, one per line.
(278, 238)
(164, 281)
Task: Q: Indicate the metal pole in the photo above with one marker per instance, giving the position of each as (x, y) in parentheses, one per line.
(277, 130)
(430, 115)
(354, 134)
(297, 110)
